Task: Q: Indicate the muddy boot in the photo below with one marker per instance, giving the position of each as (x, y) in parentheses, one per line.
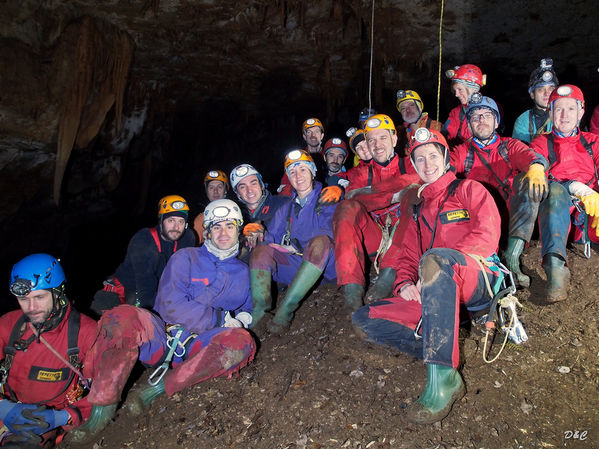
(304, 280)
(515, 246)
(100, 416)
(383, 287)
(140, 399)
(558, 277)
(260, 281)
(353, 295)
(444, 386)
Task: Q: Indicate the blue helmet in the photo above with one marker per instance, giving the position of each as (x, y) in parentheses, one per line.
(36, 272)
(478, 101)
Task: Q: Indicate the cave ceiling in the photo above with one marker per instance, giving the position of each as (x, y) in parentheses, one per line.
(100, 81)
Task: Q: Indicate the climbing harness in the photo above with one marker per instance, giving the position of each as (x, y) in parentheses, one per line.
(582, 223)
(173, 343)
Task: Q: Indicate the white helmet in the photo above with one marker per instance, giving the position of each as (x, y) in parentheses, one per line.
(241, 172)
(222, 210)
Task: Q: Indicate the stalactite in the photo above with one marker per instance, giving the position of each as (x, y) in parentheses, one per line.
(102, 57)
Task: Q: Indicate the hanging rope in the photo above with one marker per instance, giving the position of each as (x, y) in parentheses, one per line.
(440, 56)
(371, 56)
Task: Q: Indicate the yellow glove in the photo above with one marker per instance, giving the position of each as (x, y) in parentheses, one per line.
(252, 228)
(595, 225)
(591, 204)
(537, 182)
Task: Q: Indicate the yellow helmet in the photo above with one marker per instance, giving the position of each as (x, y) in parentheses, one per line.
(216, 175)
(295, 157)
(174, 204)
(311, 122)
(405, 95)
(379, 121)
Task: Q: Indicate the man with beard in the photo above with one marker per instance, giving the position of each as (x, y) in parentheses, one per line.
(313, 135)
(42, 393)
(536, 121)
(136, 279)
(205, 307)
(335, 154)
(513, 173)
(410, 106)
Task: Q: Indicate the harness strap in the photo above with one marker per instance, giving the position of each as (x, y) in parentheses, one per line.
(553, 158)
(156, 238)
(370, 175)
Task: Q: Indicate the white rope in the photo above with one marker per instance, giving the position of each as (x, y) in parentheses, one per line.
(371, 56)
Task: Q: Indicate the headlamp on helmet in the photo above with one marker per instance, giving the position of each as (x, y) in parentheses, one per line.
(355, 137)
(567, 91)
(222, 210)
(423, 136)
(173, 205)
(379, 121)
(241, 172)
(297, 157)
(468, 74)
(216, 175)
(543, 75)
(479, 101)
(335, 142)
(311, 122)
(36, 272)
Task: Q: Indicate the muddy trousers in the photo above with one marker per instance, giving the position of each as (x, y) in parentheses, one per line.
(127, 333)
(523, 210)
(391, 322)
(449, 279)
(319, 252)
(357, 237)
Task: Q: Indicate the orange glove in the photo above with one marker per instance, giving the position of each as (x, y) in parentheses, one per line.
(252, 228)
(330, 195)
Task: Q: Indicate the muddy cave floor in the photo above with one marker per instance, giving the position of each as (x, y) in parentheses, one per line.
(320, 386)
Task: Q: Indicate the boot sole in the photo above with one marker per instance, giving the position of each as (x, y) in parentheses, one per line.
(421, 416)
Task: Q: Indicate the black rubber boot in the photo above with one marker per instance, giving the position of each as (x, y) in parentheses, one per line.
(515, 246)
(383, 287)
(558, 277)
(353, 295)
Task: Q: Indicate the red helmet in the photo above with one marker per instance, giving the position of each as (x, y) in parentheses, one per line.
(335, 142)
(567, 91)
(423, 136)
(468, 73)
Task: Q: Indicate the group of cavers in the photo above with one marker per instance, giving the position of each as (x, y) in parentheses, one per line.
(427, 209)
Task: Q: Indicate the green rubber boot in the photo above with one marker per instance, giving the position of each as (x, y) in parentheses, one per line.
(353, 295)
(260, 281)
(444, 386)
(383, 287)
(515, 246)
(304, 280)
(558, 277)
(99, 418)
(140, 399)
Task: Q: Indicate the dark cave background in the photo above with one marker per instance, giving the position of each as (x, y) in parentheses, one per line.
(223, 85)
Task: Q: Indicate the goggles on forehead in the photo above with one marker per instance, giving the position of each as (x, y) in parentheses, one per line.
(351, 131)
(21, 287)
(242, 171)
(294, 155)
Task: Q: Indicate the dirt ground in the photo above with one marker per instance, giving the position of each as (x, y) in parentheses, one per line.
(319, 386)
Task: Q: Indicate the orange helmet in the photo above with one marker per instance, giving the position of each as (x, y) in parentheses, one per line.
(311, 122)
(173, 205)
(216, 175)
(296, 157)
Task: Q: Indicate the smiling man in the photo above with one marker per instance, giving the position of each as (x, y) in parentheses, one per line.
(410, 106)
(573, 158)
(258, 204)
(513, 173)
